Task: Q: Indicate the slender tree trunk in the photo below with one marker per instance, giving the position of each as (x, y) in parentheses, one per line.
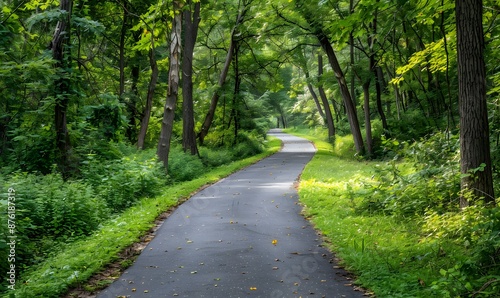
(449, 105)
(123, 33)
(368, 124)
(377, 73)
(132, 105)
(303, 64)
(149, 100)
(324, 100)
(215, 97)
(351, 55)
(173, 86)
(339, 75)
(316, 100)
(191, 22)
(236, 96)
(474, 126)
(62, 55)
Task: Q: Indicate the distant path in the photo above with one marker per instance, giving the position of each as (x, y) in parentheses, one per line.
(241, 237)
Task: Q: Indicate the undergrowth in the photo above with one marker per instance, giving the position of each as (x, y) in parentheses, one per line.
(396, 223)
(68, 230)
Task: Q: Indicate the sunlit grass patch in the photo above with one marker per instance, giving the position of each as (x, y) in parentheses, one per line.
(389, 254)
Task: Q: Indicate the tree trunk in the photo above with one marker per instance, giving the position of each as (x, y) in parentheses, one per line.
(474, 126)
(315, 97)
(215, 97)
(132, 112)
(62, 56)
(191, 22)
(173, 86)
(368, 124)
(379, 82)
(339, 75)
(324, 100)
(123, 33)
(344, 90)
(149, 100)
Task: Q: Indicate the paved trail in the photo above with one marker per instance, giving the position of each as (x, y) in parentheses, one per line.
(241, 237)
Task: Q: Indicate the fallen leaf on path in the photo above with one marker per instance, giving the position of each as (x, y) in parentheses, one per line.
(274, 242)
(253, 289)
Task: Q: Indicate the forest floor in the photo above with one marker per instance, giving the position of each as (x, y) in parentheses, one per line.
(242, 236)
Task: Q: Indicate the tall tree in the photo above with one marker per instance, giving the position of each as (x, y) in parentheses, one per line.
(321, 35)
(191, 22)
(223, 75)
(60, 46)
(474, 126)
(167, 124)
(141, 137)
(324, 99)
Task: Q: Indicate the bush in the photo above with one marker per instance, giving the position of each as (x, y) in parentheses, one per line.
(214, 158)
(476, 230)
(432, 184)
(184, 166)
(121, 182)
(344, 147)
(48, 210)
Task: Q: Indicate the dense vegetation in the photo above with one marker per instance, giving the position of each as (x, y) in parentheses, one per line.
(104, 104)
(397, 223)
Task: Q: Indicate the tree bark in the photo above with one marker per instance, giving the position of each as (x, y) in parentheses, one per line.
(173, 86)
(123, 33)
(191, 22)
(61, 54)
(324, 100)
(368, 124)
(474, 126)
(352, 117)
(149, 100)
(316, 99)
(215, 97)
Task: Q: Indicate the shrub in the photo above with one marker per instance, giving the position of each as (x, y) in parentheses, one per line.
(476, 231)
(344, 146)
(432, 184)
(184, 166)
(121, 182)
(214, 158)
(48, 210)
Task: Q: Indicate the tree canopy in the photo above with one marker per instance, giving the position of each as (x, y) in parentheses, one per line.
(82, 82)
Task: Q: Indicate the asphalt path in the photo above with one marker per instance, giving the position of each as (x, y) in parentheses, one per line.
(241, 237)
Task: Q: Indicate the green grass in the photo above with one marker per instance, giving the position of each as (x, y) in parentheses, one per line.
(390, 256)
(81, 259)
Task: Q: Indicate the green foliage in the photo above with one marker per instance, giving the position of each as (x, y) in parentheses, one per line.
(120, 183)
(398, 225)
(344, 146)
(48, 210)
(73, 264)
(476, 231)
(184, 166)
(432, 184)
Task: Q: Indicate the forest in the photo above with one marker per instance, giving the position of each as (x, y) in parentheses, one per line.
(107, 106)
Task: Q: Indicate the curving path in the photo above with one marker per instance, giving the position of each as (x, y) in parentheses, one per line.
(241, 237)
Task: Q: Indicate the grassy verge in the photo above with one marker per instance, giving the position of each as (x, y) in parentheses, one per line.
(80, 260)
(389, 255)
